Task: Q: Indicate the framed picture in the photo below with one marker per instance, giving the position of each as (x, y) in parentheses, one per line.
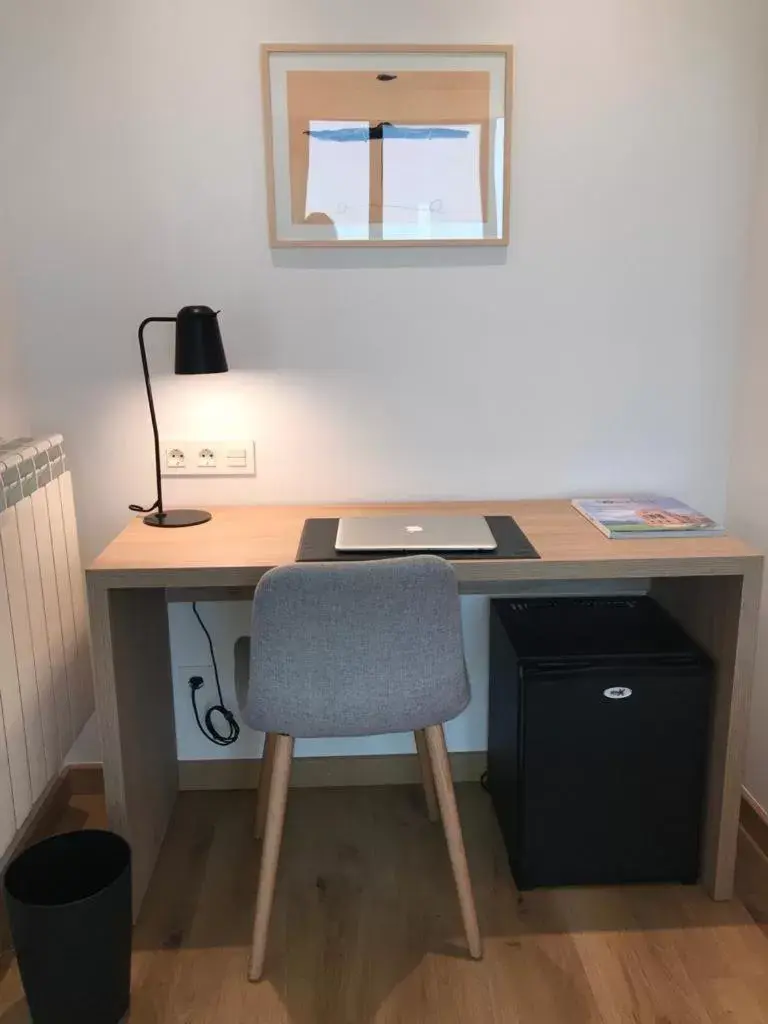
(387, 145)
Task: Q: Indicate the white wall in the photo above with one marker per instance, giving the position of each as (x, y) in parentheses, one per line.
(748, 489)
(14, 420)
(594, 354)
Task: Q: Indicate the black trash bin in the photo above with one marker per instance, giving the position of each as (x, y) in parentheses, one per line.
(69, 905)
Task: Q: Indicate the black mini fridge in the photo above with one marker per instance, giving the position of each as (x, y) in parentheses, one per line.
(598, 736)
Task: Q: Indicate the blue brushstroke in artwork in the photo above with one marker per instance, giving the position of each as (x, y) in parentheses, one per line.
(384, 131)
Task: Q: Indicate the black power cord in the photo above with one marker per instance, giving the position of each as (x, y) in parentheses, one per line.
(149, 508)
(196, 683)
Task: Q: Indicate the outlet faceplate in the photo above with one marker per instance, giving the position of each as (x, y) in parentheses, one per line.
(208, 691)
(207, 458)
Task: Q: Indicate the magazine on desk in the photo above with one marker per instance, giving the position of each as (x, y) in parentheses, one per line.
(646, 517)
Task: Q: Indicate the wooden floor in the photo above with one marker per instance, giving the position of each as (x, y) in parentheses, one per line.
(366, 928)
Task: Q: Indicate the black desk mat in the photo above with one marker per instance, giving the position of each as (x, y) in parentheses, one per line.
(319, 537)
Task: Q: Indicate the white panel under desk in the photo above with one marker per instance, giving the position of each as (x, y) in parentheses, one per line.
(228, 620)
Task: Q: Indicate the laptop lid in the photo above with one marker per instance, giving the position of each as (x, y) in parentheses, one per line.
(414, 533)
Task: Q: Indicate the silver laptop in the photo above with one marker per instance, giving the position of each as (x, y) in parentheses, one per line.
(414, 533)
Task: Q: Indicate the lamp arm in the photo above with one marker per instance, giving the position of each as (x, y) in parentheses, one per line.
(145, 367)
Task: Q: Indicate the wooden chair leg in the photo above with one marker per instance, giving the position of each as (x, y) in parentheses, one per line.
(446, 796)
(267, 764)
(426, 775)
(270, 851)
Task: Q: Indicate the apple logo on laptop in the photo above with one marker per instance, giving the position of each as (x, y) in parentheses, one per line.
(414, 529)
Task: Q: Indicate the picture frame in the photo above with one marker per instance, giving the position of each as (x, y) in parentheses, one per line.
(376, 146)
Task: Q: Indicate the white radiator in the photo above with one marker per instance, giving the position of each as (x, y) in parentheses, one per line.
(46, 694)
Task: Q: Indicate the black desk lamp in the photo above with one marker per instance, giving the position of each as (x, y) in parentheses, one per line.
(198, 350)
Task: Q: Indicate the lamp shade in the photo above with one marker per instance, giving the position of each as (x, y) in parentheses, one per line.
(199, 348)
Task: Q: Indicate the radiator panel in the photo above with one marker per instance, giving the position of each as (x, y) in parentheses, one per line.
(46, 693)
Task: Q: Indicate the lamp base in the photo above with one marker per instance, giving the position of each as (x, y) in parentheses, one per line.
(178, 517)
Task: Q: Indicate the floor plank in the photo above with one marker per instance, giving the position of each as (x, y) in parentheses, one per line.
(366, 928)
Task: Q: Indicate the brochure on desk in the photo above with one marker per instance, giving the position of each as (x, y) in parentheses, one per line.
(646, 516)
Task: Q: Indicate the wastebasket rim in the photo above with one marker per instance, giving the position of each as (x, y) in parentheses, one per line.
(18, 862)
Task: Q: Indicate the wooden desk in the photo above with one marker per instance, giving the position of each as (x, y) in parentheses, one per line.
(712, 586)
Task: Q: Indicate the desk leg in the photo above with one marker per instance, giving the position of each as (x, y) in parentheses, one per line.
(720, 612)
(134, 704)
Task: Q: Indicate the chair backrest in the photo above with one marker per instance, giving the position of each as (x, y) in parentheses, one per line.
(356, 648)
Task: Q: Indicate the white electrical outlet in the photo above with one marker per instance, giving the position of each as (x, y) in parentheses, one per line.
(208, 458)
(175, 458)
(208, 690)
(206, 693)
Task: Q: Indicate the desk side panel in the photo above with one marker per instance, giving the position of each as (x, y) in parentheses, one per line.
(134, 703)
(720, 613)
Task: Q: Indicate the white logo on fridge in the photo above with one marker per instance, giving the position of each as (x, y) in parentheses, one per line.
(617, 692)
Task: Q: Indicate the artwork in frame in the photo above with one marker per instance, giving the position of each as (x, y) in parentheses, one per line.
(387, 145)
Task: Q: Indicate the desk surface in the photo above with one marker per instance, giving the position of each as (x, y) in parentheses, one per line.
(240, 543)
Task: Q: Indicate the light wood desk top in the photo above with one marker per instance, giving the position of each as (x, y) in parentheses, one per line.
(240, 543)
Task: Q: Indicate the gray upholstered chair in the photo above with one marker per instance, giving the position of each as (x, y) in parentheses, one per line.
(354, 649)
